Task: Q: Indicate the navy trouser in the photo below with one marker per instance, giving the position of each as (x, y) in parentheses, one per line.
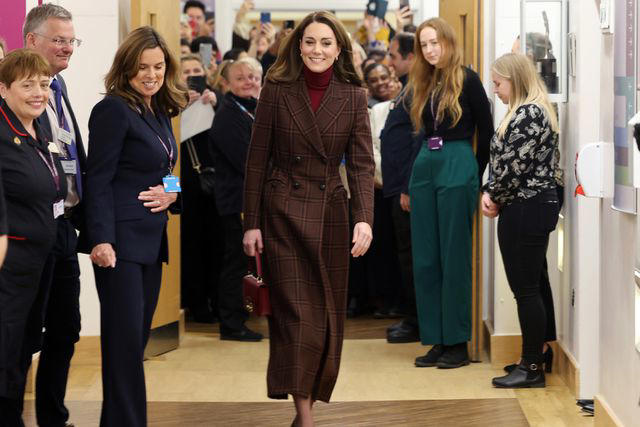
(60, 316)
(128, 296)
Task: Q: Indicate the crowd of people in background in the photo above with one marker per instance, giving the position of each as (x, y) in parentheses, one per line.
(389, 114)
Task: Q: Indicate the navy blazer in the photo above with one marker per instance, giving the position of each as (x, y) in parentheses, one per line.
(127, 155)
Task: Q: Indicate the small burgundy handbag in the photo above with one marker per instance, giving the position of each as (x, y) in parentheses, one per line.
(255, 291)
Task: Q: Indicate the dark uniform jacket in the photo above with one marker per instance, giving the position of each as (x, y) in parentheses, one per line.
(127, 155)
(293, 193)
(29, 191)
(229, 136)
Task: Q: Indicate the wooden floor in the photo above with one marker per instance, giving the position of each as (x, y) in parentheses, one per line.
(209, 382)
(478, 412)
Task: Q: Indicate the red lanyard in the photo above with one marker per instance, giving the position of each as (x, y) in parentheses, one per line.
(52, 168)
(169, 152)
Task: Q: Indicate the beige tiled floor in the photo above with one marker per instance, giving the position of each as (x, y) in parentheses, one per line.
(205, 369)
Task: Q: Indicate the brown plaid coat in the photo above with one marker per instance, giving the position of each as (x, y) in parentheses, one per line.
(294, 195)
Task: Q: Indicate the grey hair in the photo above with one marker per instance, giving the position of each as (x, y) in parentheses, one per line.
(39, 15)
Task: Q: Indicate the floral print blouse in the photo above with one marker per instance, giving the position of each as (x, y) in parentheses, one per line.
(526, 160)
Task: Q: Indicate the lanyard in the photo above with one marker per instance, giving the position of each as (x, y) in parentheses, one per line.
(244, 109)
(169, 152)
(52, 168)
(433, 114)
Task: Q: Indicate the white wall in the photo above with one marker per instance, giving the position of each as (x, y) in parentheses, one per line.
(619, 361)
(583, 126)
(501, 29)
(96, 24)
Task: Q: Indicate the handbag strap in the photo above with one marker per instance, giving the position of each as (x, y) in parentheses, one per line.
(195, 162)
(258, 261)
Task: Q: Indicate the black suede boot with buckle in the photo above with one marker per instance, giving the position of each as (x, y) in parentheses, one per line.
(525, 375)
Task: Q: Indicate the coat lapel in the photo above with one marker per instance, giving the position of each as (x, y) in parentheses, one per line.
(154, 124)
(330, 108)
(299, 105)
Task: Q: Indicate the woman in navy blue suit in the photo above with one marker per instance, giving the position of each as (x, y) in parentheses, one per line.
(132, 152)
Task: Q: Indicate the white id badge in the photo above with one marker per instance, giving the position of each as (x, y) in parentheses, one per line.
(64, 136)
(58, 208)
(53, 148)
(69, 167)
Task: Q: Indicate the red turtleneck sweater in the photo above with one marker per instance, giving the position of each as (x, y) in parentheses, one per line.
(317, 83)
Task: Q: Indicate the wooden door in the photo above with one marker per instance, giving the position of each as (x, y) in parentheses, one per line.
(164, 16)
(466, 19)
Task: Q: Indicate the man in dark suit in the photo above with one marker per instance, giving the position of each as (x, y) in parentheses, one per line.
(396, 152)
(48, 29)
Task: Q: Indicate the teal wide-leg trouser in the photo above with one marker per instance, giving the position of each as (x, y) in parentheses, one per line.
(444, 196)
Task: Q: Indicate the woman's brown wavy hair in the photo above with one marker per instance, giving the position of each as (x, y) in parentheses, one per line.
(288, 66)
(443, 82)
(172, 96)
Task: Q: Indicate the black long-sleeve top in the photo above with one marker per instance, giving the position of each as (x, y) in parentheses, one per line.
(524, 162)
(476, 114)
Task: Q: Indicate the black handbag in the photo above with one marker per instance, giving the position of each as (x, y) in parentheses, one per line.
(206, 175)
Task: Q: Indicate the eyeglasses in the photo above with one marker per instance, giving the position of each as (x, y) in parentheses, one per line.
(59, 42)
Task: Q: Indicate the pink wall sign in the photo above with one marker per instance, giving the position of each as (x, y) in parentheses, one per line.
(11, 19)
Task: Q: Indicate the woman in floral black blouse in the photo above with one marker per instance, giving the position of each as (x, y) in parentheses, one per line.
(522, 190)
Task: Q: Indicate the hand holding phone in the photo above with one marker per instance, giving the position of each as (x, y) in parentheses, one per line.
(206, 51)
(377, 8)
(197, 83)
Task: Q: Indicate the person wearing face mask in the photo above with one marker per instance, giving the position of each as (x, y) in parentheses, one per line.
(201, 246)
(522, 190)
(33, 184)
(229, 142)
(132, 154)
(312, 113)
(449, 105)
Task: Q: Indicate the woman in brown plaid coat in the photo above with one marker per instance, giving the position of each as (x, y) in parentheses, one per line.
(312, 113)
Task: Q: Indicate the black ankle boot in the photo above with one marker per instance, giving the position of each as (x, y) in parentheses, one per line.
(548, 362)
(525, 375)
(454, 356)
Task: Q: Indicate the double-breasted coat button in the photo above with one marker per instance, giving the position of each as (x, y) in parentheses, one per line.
(322, 186)
(296, 185)
(297, 159)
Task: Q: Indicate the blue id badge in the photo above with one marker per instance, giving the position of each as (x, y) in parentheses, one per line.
(171, 184)
(434, 143)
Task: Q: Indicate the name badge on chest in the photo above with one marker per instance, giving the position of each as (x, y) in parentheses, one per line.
(52, 147)
(171, 184)
(434, 143)
(69, 167)
(58, 208)
(64, 136)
